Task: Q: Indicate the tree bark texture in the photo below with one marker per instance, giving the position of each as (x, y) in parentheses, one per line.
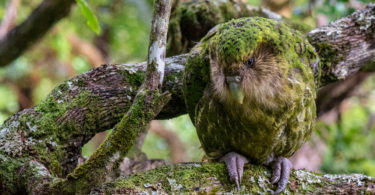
(148, 102)
(211, 178)
(43, 144)
(47, 139)
(346, 45)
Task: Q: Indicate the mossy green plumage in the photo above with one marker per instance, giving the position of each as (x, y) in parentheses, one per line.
(278, 112)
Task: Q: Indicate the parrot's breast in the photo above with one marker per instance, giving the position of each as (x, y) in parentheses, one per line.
(253, 130)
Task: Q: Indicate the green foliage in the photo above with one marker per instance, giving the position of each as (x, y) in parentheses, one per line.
(129, 30)
(43, 89)
(80, 65)
(92, 21)
(335, 10)
(8, 102)
(254, 2)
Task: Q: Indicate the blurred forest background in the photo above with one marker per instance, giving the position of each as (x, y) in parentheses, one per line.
(344, 141)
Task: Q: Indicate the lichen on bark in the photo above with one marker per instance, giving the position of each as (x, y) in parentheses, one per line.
(211, 178)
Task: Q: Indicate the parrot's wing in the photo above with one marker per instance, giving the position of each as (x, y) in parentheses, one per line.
(197, 73)
(196, 78)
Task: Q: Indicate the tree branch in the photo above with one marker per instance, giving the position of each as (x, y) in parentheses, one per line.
(211, 178)
(20, 38)
(346, 45)
(148, 102)
(52, 133)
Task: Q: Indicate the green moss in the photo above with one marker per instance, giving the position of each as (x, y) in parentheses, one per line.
(236, 38)
(135, 78)
(8, 173)
(194, 177)
(193, 19)
(326, 53)
(47, 124)
(117, 144)
(190, 175)
(328, 56)
(196, 76)
(234, 41)
(212, 178)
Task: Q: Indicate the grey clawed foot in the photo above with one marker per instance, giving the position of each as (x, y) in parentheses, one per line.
(235, 163)
(281, 168)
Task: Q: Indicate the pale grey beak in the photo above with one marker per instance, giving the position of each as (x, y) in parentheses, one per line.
(234, 83)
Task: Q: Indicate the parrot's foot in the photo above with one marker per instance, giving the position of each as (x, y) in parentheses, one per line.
(235, 163)
(281, 168)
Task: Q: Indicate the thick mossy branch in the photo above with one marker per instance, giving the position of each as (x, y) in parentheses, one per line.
(53, 132)
(201, 178)
(93, 171)
(346, 45)
(148, 102)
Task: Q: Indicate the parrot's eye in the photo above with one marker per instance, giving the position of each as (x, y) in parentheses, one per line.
(249, 63)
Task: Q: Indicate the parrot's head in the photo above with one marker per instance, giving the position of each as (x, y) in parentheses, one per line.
(245, 63)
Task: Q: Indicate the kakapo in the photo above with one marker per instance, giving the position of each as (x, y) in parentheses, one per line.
(250, 92)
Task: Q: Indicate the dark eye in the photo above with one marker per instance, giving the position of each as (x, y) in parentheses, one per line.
(250, 62)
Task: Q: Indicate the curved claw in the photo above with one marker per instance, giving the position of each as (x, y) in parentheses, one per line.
(234, 163)
(281, 168)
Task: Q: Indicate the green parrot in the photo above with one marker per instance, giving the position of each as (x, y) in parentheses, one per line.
(249, 89)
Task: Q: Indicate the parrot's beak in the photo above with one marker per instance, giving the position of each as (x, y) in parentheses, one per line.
(234, 83)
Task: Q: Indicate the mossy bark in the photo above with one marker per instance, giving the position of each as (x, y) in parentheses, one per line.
(52, 133)
(211, 178)
(346, 45)
(148, 102)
